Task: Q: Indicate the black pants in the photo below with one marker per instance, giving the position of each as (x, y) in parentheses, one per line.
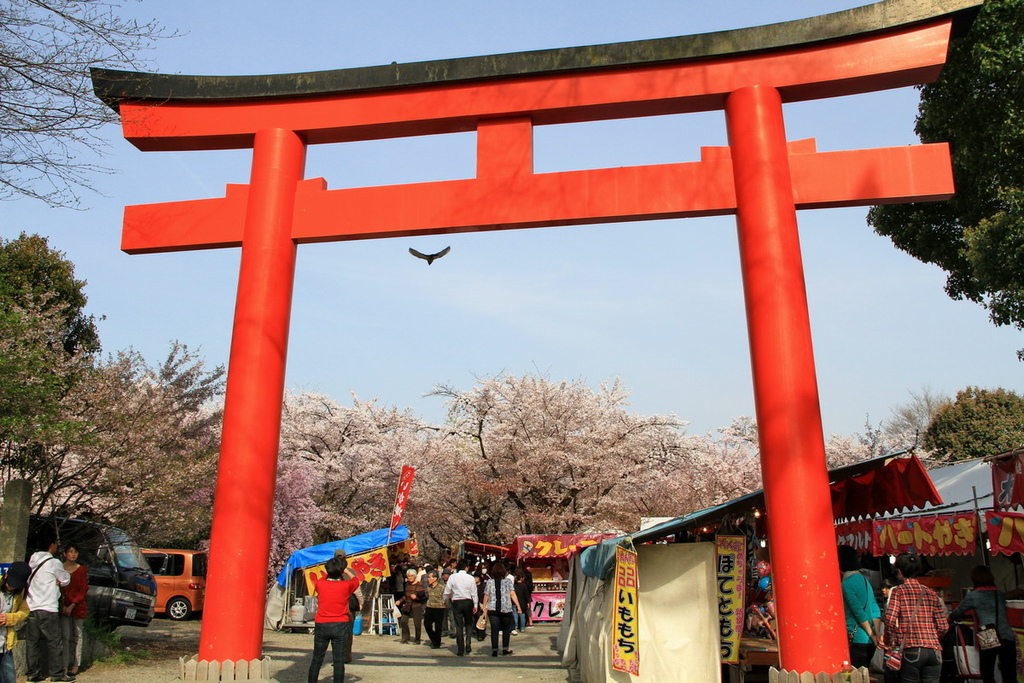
(1007, 655)
(500, 621)
(42, 635)
(433, 621)
(335, 634)
(861, 653)
(462, 610)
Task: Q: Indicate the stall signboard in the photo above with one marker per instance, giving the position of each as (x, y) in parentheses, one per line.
(1005, 531)
(553, 546)
(1008, 481)
(547, 606)
(366, 566)
(730, 568)
(855, 534)
(952, 534)
(625, 622)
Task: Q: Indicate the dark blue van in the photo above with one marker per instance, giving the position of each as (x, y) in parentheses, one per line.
(121, 585)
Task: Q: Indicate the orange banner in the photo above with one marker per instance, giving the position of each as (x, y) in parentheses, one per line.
(954, 534)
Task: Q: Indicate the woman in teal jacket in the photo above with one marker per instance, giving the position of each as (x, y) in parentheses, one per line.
(862, 614)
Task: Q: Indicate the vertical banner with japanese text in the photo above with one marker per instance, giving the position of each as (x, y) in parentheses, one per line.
(402, 496)
(625, 634)
(730, 568)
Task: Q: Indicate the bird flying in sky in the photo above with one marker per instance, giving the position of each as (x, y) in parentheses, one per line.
(429, 258)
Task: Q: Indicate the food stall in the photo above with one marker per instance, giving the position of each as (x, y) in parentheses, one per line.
(739, 533)
(547, 557)
(290, 603)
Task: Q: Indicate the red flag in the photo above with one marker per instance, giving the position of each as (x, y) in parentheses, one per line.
(402, 497)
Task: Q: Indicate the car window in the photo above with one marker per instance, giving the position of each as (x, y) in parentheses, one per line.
(199, 564)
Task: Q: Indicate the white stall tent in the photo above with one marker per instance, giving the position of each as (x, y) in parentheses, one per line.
(677, 611)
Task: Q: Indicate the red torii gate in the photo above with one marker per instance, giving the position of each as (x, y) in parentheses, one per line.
(760, 177)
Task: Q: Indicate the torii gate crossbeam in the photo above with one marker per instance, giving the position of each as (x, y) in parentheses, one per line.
(761, 177)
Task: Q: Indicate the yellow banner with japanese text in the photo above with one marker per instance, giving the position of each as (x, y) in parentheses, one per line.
(625, 634)
(730, 569)
(366, 566)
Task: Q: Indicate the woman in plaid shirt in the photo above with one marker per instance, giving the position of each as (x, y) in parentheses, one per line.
(915, 619)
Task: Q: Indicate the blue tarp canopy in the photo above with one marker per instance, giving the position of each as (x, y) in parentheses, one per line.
(318, 554)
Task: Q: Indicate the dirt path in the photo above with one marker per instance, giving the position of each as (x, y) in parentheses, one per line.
(378, 659)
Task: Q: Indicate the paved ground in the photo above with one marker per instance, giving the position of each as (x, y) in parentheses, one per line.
(378, 659)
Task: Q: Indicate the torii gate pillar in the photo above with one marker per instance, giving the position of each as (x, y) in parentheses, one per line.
(760, 177)
(785, 386)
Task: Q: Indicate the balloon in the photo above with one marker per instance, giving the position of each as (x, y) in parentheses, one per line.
(763, 568)
(764, 583)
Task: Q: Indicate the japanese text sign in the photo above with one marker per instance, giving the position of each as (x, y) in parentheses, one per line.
(954, 534)
(731, 575)
(366, 566)
(625, 633)
(402, 496)
(1008, 481)
(1005, 531)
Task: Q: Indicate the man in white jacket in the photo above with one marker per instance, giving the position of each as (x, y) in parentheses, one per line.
(42, 630)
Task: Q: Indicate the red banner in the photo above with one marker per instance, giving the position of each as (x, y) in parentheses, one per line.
(856, 534)
(528, 547)
(1005, 531)
(953, 534)
(402, 496)
(1008, 481)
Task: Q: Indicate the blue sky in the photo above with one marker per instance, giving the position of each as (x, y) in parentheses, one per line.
(657, 304)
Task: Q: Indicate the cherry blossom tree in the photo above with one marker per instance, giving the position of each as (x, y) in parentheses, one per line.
(138, 449)
(355, 455)
(556, 457)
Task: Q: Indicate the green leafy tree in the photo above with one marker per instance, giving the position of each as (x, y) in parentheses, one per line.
(977, 105)
(46, 340)
(978, 423)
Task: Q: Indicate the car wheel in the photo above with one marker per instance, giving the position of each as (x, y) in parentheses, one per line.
(179, 609)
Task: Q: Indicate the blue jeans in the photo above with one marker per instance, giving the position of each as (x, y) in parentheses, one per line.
(920, 665)
(334, 633)
(7, 674)
(520, 621)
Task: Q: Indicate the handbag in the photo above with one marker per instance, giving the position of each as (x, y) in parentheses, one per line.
(968, 661)
(987, 638)
(481, 622)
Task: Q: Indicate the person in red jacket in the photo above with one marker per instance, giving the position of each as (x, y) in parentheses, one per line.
(332, 621)
(72, 615)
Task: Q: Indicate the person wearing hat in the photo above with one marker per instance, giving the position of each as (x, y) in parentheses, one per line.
(13, 611)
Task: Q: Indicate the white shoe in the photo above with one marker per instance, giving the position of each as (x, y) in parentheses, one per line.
(515, 632)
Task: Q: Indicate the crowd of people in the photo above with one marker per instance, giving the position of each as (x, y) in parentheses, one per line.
(463, 600)
(44, 601)
(904, 637)
(457, 599)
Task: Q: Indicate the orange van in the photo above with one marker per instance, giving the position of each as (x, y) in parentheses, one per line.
(180, 580)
